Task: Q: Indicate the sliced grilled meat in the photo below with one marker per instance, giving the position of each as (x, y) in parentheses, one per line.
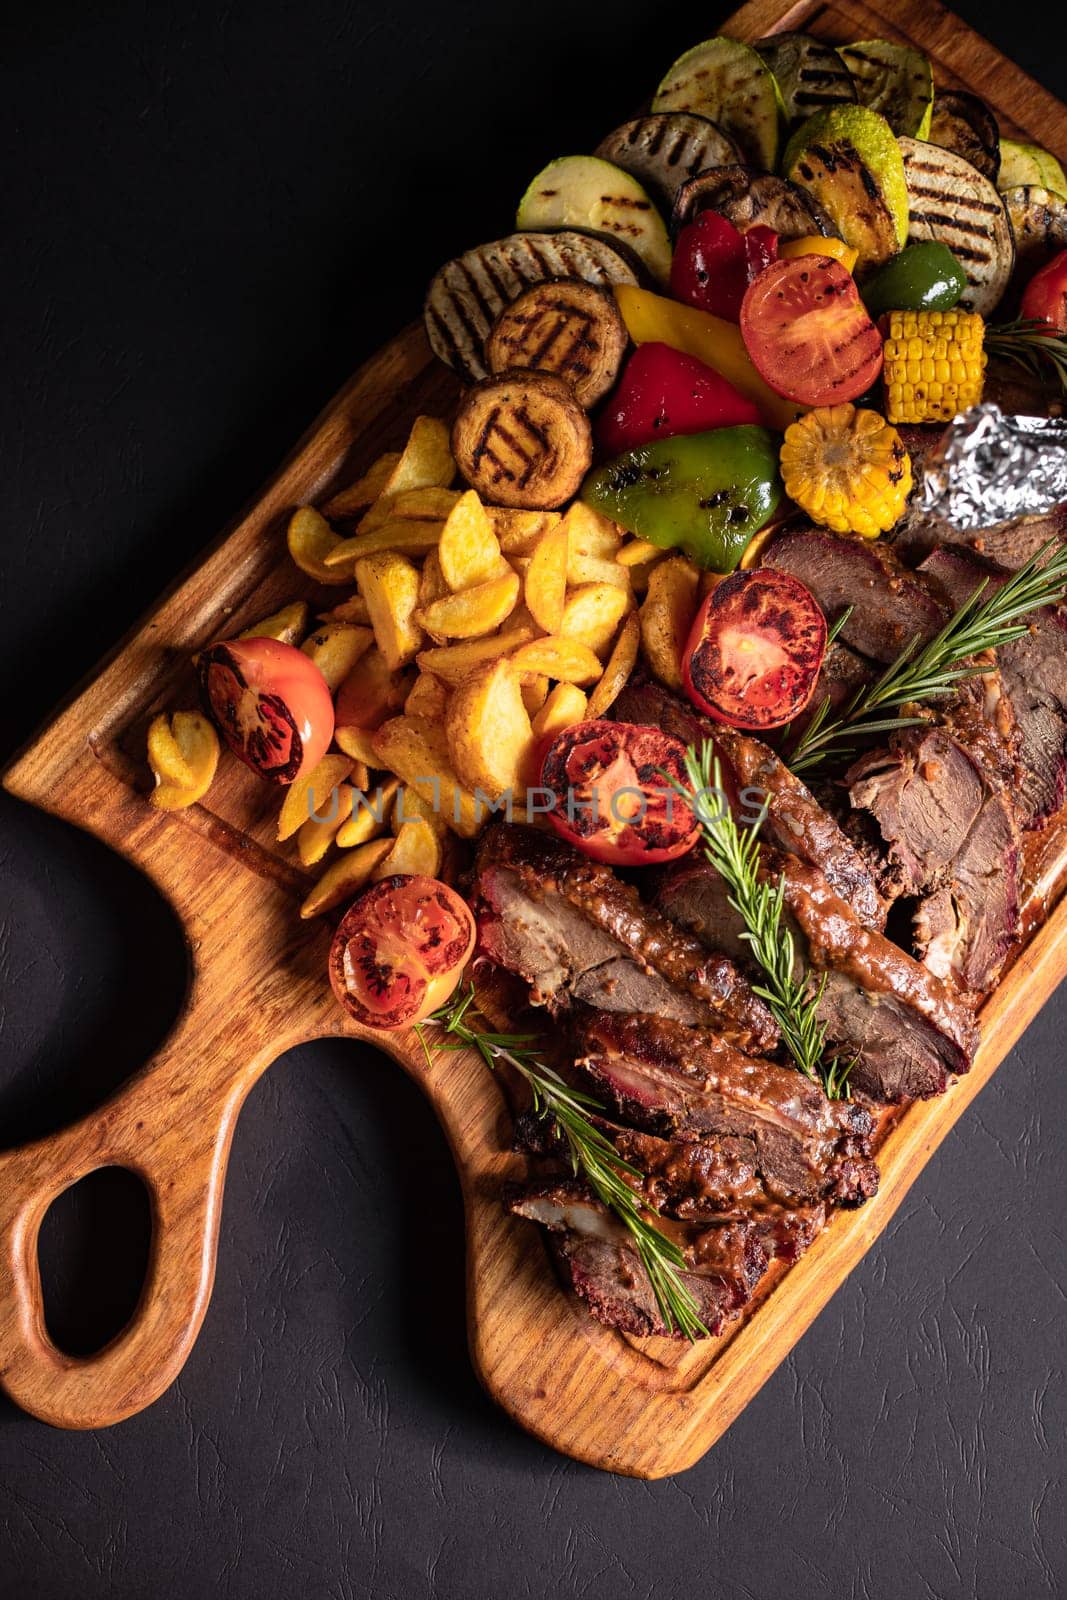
(597, 1257)
(966, 928)
(691, 1085)
(643, 700)
(575, 932)
(890, 605)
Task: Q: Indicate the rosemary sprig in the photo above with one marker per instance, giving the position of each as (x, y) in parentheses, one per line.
(734, 853)
(1034, 346)
(591, 1153)
(982, 623)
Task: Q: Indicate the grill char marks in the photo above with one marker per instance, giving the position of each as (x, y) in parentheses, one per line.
(951, 201)
(574, 330)
(522, 439)
(575, 932)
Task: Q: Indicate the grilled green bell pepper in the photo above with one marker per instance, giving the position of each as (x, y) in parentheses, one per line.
(923, 277)
(704, 493)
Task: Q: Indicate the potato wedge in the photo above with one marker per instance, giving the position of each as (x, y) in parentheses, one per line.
(582, 569)
(346, 877)
(534, 692)
(335, 648)
(416, 749)
(428, 697)
(317, 833)
(593, 613)
(635, 552)
(354, 609)
(311, 793)
(566, 705)
(371, 692)
(432, 585)
(370, 814)
(390, 585)
(311, 540)
(489, 731)
(416, 848)
(519, 532)
(565, 660)
(426, 462)
(346, 502)
(452, 662)
(411, 535)
(468, 552)
(424, 504)
(408, 803)
(545, 588)
(590, 533)
(470, 612)
(667, 616)
(288, 625)
(183, 752)
(640, 574)
(619, 666)
(357, 743)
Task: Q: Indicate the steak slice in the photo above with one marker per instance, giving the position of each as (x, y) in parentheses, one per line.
(596, 1255)
(576, 932)
(890, 605)
(966, 928)
(688, 1084)
(647, 702)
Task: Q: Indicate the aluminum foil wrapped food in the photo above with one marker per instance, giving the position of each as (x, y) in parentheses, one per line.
(991, 468)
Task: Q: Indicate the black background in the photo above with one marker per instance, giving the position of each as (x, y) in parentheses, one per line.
(212, 213)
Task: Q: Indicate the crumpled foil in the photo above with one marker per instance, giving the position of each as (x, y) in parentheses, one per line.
(991, 468)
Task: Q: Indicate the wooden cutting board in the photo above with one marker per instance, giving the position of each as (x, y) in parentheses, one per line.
(257, 981)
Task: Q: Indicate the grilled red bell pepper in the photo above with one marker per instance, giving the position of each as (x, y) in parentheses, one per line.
(1045, 296)
(714, 263)
(663, 392)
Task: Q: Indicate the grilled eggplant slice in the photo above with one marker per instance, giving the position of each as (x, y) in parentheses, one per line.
(948, 199)
(469, 293)
(585, 192)
(727, 81)
(572, 329)
(1038, 220)
(664, 149)
(965, 125)
(894, 80)
(848, 161)
(522, 439)
(746, 197)
(1025, 165)
(810, 74)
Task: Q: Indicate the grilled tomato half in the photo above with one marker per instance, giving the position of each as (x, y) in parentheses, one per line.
(271, 704)
(399, 950)
(755, 650)
(808, 332)
(610, 798)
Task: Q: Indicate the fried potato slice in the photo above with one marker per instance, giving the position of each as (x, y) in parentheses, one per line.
(365, 490)
(316, 833)
(635, 552)
(566, 705)
(370, 815)
(416, 750)
(428, 697)
(354, 609)
(426, 462)
(545, 588)
(346, 877)
(489, 731)
(311, 793)
(423, 504)
(593, 613)
(311, 541)
(582, 569)
(619, 666)
(534, 692)
(452, 662)
(469, 613)
(357, 743)
(410, 803)
(335, 648)
(590, 533)
(565, 660)
(371, 692)
(469, 552)
(432, 585)
(288, 625)
(183, 752)
(390, 585)
(520, 532)
(416, 849)
(410, 535)
(667, 616)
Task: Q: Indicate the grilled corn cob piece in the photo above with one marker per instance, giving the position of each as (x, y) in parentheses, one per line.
(934, 364)
(847, 469)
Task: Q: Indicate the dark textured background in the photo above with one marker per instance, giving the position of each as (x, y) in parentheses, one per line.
(213, 212)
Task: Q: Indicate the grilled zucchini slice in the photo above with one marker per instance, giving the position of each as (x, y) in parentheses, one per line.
(810, 75)
(1028, 165)
(1038, 220)
(468, 294)
(665, 148)
(585, 192)
(521, 439)
(894, 80)
(848, 161)
(948, 199)
(727, 81)
(571, 329)
(965, 125)
(746, 197)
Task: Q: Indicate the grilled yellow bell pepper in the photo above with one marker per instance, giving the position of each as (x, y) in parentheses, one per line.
(815, 244)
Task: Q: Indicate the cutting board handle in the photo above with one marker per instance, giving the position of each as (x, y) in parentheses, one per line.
(172, 1125)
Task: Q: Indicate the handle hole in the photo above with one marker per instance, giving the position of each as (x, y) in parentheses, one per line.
(93, 1254)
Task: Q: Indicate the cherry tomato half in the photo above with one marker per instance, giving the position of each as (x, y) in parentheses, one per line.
(611, 799)
(399, 950)
(755, 650)
(270, 702)
(808, 332)
(1045, 296)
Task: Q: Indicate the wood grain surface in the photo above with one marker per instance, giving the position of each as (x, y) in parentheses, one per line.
(257, 982)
